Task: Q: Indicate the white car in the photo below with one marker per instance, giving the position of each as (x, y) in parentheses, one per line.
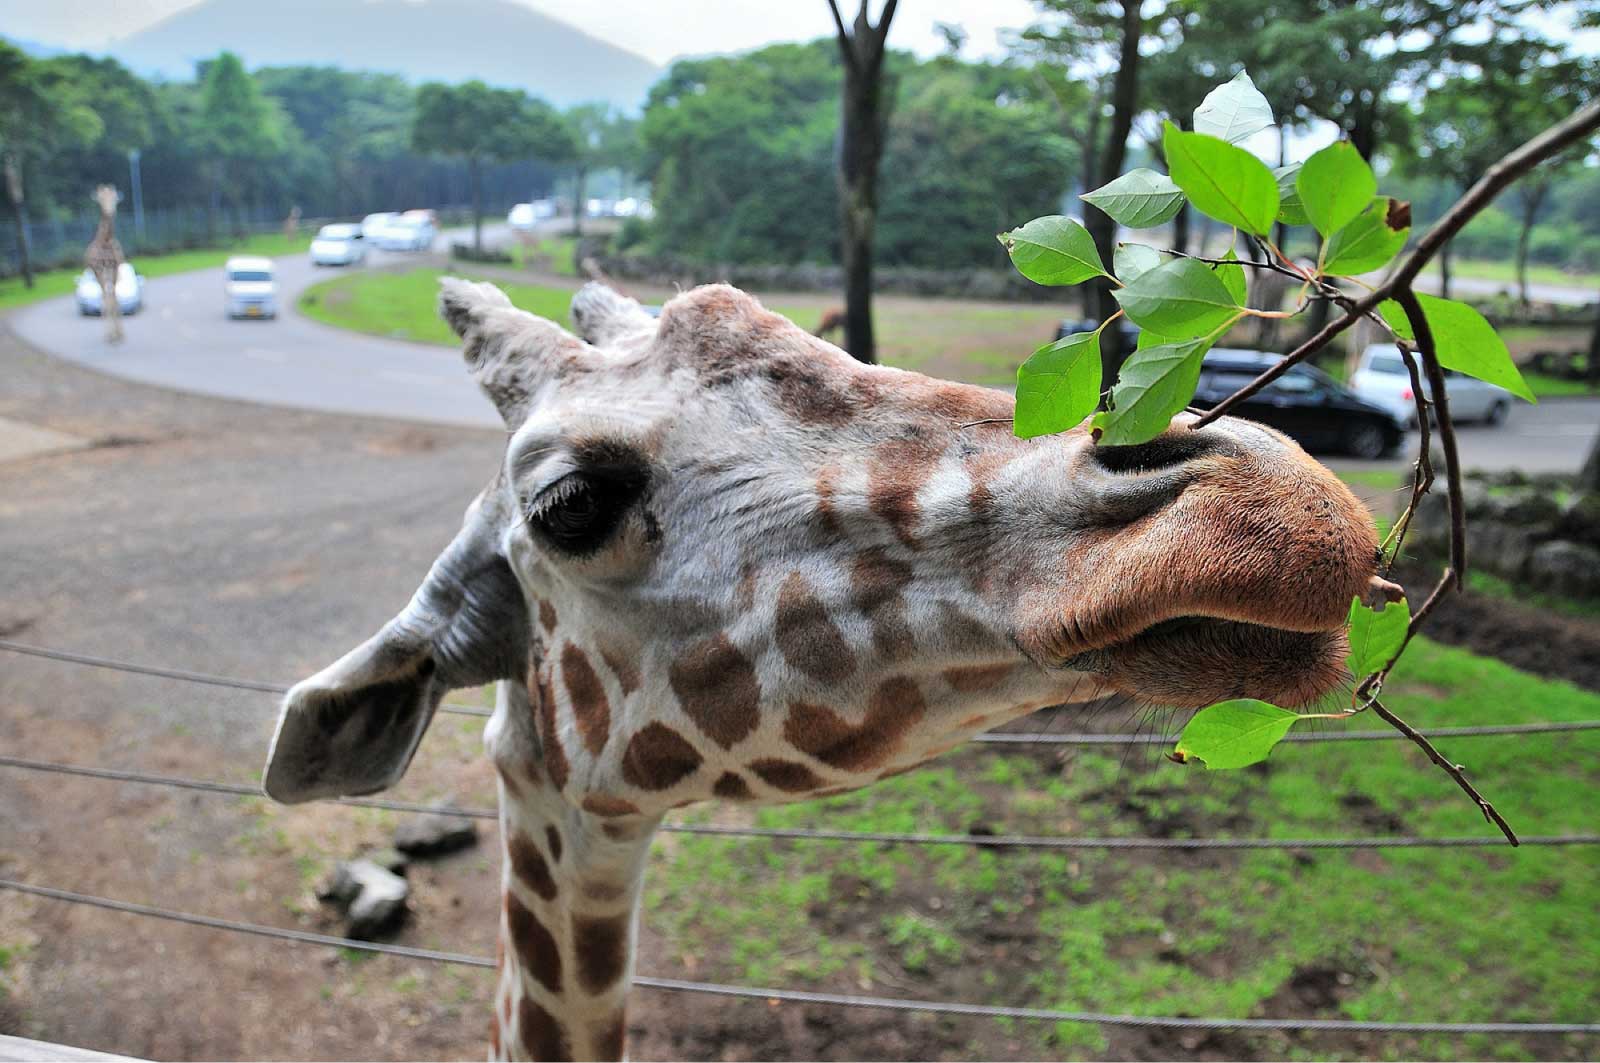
(405, 234)
(129, 289)
(522, 217)
(338, 245)
(373, 222)
(248, 287)
(1381, 378)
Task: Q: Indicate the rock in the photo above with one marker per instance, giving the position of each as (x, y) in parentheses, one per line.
(1525, 507)
(374, 898)
(434, 833)
(1580, 520)
(1499, 547)
(1566, 568)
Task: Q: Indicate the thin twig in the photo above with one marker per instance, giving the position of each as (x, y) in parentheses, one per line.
(1453, 770)
(1447, 432)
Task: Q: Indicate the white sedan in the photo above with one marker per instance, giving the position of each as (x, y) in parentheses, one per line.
(373, 222)
(1381, 377)
(338, 245)
(405, 234)
(129, 289)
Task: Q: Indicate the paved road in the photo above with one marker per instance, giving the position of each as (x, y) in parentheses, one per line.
(182, 340)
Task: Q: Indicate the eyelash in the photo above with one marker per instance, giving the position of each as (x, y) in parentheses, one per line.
(582, 532)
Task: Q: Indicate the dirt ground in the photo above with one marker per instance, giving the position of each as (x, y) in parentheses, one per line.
(185, 535)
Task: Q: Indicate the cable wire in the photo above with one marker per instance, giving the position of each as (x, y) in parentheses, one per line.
(991, 738)
(993, 841)
(306, 937)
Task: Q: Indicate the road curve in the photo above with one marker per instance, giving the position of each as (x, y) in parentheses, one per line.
(182, 340)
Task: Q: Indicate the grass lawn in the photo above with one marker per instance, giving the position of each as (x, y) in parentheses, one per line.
(1506, 272)
(1395, 934)
(552, 254)
(62, 281)
(405, 305)
(1499, 587)
(1543, 385)
(958, 339)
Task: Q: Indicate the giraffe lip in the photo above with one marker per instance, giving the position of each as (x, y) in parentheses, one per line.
(1196, 660)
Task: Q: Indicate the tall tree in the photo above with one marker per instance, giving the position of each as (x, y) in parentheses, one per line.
(38, 115)
(601, 138)
(241, 129)
(477, 123)
(863, 127)
(1107, 35)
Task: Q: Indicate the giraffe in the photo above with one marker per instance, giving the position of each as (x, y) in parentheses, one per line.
(103, 257)
(724, 561)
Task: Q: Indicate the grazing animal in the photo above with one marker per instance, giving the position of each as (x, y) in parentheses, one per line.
(832, 321)
(724, 561)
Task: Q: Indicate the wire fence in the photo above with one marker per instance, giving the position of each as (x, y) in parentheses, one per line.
(990, 841)
(938, 1007)
(991, 738)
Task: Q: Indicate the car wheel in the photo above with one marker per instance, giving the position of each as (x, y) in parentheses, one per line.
(1364, 440)
(1497, 413)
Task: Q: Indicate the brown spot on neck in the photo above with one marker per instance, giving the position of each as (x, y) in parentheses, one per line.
(547, 616)
(554, 757)
(589, 705)
(600, 945)
(807, 635)
(606, 805)
(717, 687)
(896, 472)
(658, 757)
(896, 706)
(732, 786)
(528, 864)
(535, 946)
(623, 668)
(876, 585)
(786, 775)
(541, 1033)
(974, 679)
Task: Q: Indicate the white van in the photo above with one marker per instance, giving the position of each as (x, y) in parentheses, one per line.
(248, 287)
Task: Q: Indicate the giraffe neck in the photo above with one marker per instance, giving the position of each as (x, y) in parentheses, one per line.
(570, 883)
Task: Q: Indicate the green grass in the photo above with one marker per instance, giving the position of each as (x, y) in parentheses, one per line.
(1425, 934)
(553, 254)
(404, 305)
(1543, 385)
(51, 283)
(1506, 272)
(1498, 587)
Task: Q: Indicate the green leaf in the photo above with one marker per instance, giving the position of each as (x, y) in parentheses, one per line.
(1334, 186)
(1054, 250)
(1232, 276)
(1290, 210)
(1233, 111)
(1367, 243)
(1234, 734)
(1156, 382)
(1138, 199)
(1463, 340)
(1228, 183)
(1376, 636)
(1132, 261)
(1179, 300)
(1058, 386)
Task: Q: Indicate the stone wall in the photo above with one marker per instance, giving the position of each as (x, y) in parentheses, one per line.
(1536, 531)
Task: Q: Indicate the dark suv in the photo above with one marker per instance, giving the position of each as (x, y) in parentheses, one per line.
(1305, 404)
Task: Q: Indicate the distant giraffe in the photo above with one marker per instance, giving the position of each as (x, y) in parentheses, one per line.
(832, 321)
(104, 257)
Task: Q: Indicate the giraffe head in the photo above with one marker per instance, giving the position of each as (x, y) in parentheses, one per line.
(724, 559)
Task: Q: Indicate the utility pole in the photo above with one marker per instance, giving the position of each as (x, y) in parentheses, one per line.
(137, 188)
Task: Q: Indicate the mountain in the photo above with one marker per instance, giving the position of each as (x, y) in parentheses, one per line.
(498, 41)
(35, 48)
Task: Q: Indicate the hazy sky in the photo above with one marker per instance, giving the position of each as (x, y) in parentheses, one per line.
(656, 29)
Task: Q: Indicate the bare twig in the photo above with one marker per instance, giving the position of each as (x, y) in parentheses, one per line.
(1422, 472)
(1453, 770)
(1447, 432)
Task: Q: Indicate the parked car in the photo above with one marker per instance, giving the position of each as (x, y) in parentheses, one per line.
(406, 234)
(373, 222)
(1305, 404)
(129, 289)
(248, 288)
(1381, 377)
(338, 245)
(1129, 331)
(522, 217)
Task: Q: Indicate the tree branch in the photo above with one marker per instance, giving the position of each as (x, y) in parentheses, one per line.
(1453, 770)
(1447, 432)
(846, 48)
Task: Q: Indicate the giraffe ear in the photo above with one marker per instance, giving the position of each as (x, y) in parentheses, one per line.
(352, 728)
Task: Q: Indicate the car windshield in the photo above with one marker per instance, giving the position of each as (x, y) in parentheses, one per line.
(250, 275)
(1388, 364)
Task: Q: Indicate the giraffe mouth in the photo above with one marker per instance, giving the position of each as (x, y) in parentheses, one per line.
(1191, 661)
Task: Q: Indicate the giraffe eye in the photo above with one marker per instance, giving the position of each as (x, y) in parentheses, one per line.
(581, 511)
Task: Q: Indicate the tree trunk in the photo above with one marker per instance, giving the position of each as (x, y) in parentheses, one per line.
(19, 211)
(1444, 270)
(1180, 229)
(476, 177)
(580, 180)
(1532, 199)
(1592, 371)
(1102, 227)
(1589, 476)
(863, 122)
